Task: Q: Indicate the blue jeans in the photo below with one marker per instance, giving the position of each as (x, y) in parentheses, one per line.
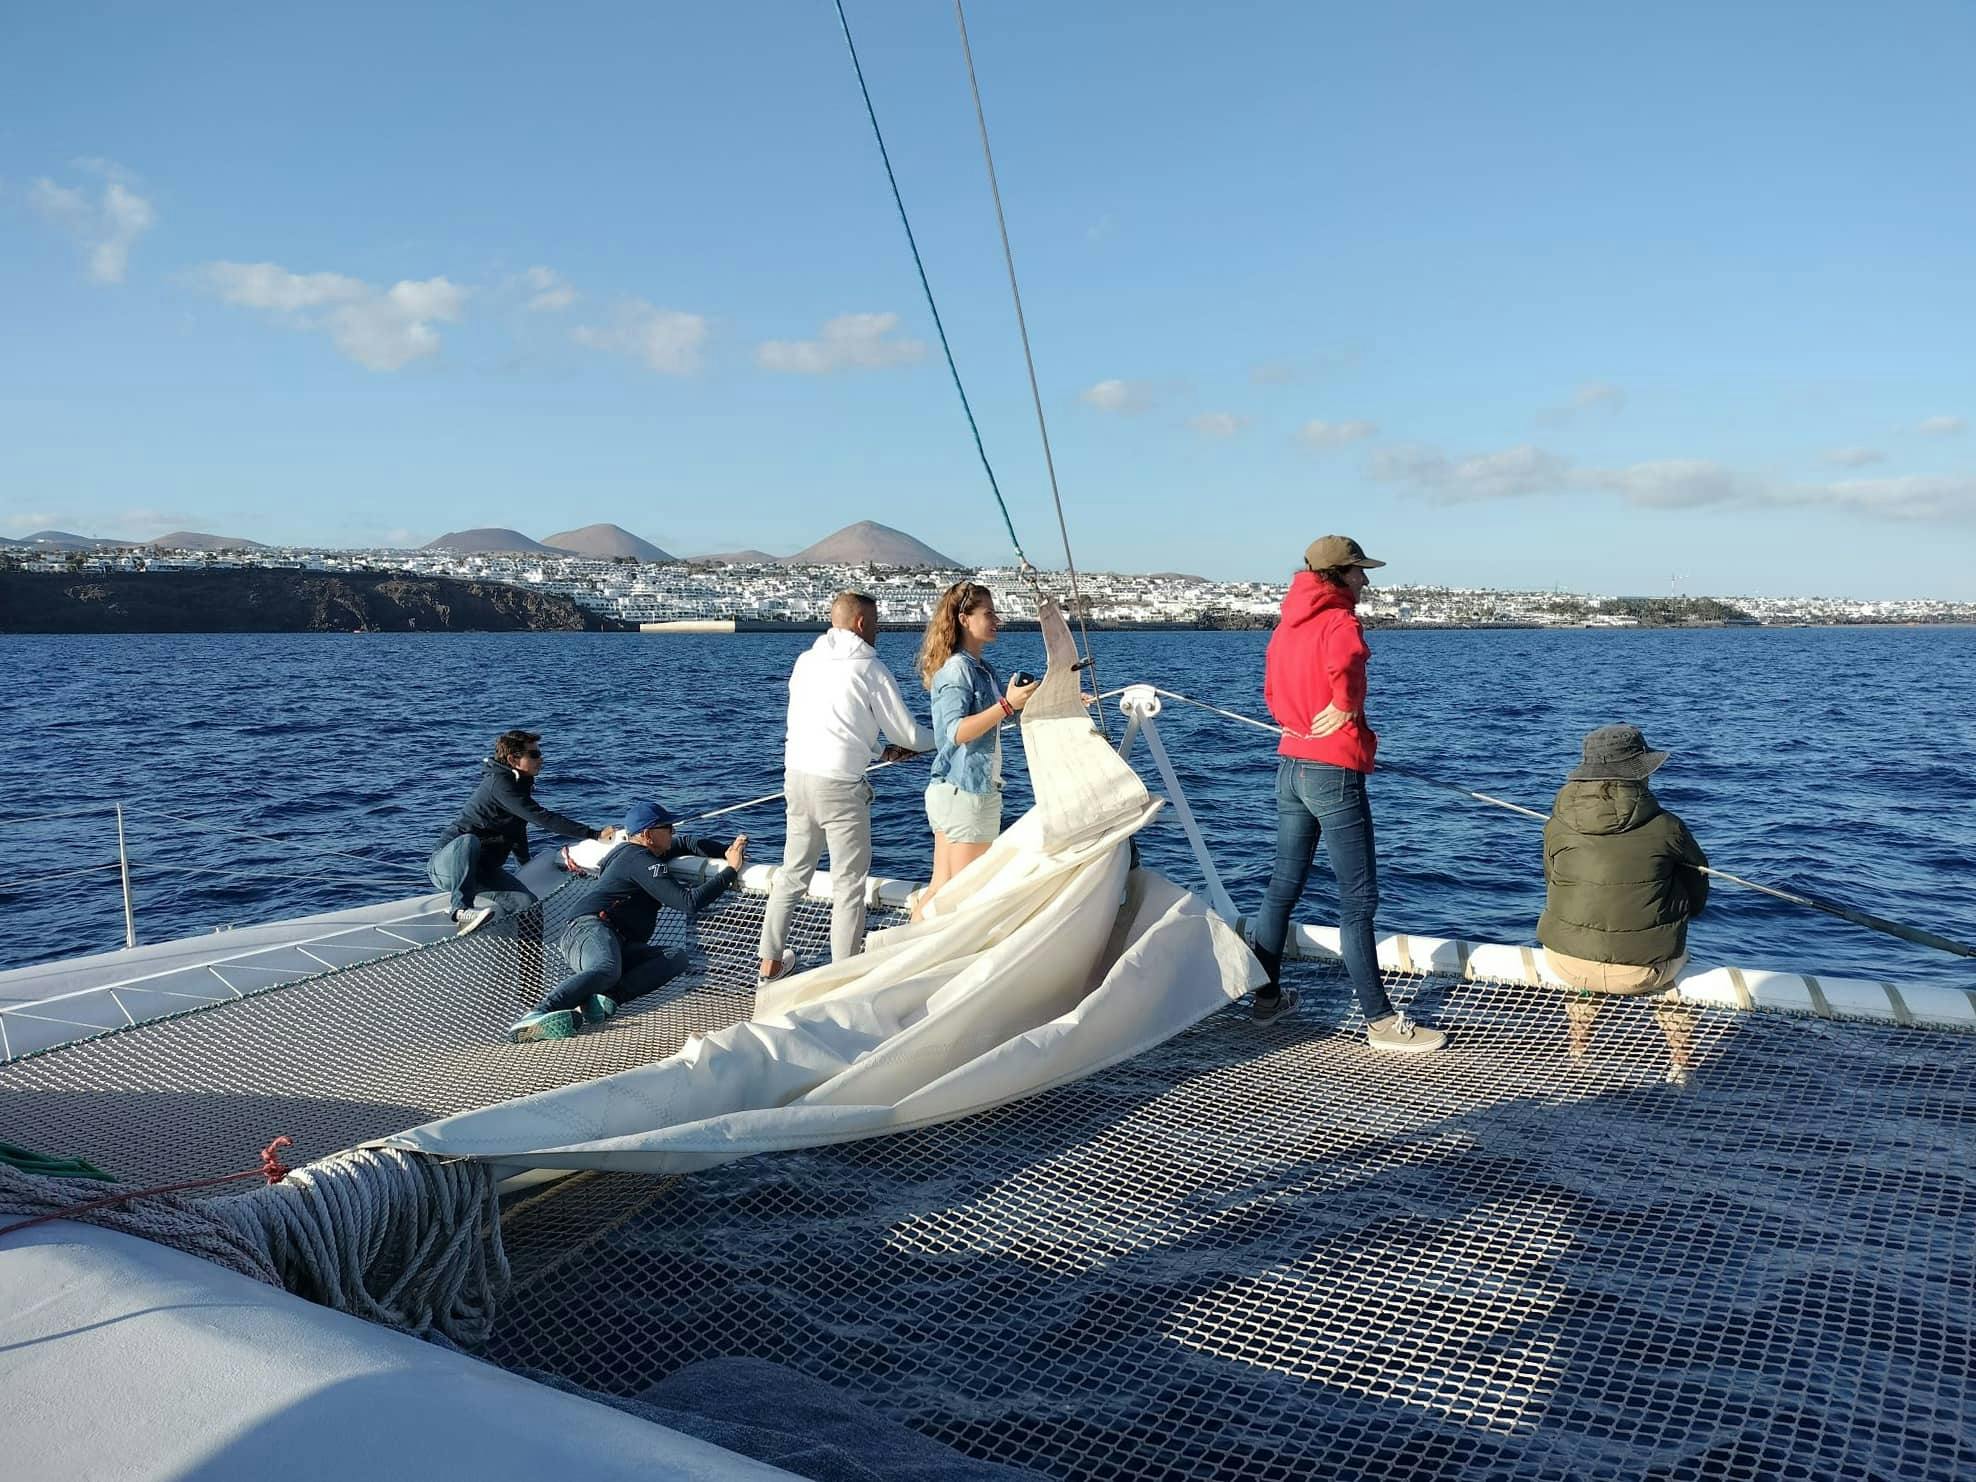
(1313, 800)
(605, 964)
(457, 868)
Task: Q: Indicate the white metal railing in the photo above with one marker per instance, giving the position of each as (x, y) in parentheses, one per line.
(400, 876)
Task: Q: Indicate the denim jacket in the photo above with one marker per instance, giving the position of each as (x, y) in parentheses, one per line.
(965, 686)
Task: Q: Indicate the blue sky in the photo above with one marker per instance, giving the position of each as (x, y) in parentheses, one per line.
(1533, 295)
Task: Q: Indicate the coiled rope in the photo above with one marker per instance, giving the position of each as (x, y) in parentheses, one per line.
(403, 1239)
(1915, 934)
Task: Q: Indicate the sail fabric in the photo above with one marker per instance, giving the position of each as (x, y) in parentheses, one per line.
(1048, 958)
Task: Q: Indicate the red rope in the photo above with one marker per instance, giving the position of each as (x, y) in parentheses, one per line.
(271, 1168)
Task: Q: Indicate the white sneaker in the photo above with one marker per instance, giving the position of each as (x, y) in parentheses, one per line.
(1399, 1035)
(473, 919)
(783, 968)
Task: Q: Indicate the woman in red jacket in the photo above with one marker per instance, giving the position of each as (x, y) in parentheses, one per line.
(1314, 684)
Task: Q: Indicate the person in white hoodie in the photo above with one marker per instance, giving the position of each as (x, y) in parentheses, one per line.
(842, 698)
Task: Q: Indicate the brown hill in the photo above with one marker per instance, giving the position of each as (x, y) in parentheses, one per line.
(488, 540)
(606, 542)
(198, 540)
(868, 543)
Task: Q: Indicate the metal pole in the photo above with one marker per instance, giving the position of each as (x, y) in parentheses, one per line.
(1140, 703)
(123, 865)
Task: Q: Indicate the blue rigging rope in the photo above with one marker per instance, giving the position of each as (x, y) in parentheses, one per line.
(912, 242)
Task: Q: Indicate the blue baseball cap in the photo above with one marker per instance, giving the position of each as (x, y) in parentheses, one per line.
(642, 816)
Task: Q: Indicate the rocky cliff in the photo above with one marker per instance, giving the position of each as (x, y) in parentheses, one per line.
(266, 601)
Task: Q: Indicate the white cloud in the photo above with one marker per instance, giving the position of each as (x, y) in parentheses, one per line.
(1674, 483)
(667, 340)
(1912, 497)
(107, 228)
(1512, 473)
(548, 290)
(1853, 457)
(1668, 483)
(1941, 426)
(1128, 398)
(1320, 434)
(31, 521)
(1274, 373)
(1590, 396)
(848, 342)
(1218, 424)
(379, 329)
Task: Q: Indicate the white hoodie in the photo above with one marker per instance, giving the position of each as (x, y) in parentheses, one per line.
(841, 697)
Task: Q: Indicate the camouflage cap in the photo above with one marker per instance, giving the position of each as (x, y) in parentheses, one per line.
(1329, 551)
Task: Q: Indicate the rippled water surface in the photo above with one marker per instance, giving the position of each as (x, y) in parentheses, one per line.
(1840, 760)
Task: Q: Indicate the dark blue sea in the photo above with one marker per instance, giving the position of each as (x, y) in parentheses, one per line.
(266, 776)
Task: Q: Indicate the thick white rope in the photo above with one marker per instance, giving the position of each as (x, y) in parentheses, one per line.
(399, 1238)
(402, 1239)
(177, 1220)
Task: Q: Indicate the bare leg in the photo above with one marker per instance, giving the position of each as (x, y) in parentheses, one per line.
(1677, 1027)
(942, 868)
(1579, 1014)
(960, 856)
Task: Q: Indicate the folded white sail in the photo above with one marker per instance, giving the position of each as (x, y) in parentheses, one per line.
(1045, 960)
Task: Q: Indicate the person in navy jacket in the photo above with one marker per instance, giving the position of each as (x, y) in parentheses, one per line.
(470, 860)
(608, 942)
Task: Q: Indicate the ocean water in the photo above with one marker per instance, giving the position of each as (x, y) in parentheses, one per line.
(266, 776)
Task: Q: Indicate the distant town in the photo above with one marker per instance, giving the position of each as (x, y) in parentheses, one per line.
(624, 580)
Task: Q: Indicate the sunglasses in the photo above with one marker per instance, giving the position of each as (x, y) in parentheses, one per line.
(533, 754)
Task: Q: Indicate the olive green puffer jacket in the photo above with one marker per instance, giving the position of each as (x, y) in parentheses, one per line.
(1620, 876)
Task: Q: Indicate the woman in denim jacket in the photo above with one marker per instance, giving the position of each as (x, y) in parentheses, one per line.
(964, 799)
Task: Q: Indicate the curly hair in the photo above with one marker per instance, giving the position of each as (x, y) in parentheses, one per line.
(943, 629)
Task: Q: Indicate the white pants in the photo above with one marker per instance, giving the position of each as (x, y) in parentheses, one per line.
(831, 813)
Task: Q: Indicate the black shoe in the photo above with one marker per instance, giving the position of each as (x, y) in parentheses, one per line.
(1269, 1010)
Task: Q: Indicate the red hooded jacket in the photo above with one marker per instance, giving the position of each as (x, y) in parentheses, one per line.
(1317, 658)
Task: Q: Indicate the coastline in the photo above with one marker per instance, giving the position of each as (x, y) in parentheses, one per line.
(275, 600)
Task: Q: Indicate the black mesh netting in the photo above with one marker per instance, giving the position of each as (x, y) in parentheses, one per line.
(1251, 1253)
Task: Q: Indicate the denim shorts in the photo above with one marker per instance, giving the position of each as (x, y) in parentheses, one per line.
(964, 817)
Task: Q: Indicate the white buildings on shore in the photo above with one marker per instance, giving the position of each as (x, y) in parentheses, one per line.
(631, 592)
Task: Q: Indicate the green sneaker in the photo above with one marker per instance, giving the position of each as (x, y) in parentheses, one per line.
(560, 1024)
(597, 1008)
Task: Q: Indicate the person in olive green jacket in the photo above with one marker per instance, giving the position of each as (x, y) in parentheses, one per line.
(1622, 879)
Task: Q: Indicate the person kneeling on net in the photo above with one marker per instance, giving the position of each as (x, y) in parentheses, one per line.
(608, 943)
(1622, 878)
(470, 858)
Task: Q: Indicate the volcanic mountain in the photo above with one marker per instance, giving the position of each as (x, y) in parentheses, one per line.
(869, 543)
(488, 541)
(606, 541)
(197, 540)
(62, 540)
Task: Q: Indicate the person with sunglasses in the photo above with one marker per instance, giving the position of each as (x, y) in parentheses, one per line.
(469, 862)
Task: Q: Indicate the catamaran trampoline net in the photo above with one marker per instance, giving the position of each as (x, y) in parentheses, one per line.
(1250, 1253)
